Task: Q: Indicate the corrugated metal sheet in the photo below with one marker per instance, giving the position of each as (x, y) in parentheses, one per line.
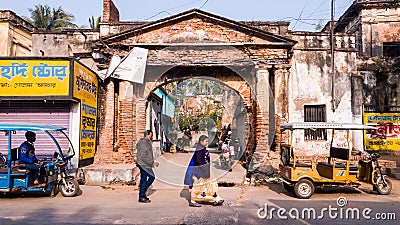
(55, 113)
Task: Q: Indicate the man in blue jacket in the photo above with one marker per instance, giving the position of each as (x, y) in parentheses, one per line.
(26, 155)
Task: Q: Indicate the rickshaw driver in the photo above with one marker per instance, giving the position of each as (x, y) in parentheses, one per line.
(26, 155)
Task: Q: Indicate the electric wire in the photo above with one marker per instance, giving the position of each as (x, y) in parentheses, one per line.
(301, 13)
(203, 4)
(176, 7)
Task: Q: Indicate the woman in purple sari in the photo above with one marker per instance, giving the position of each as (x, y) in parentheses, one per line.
(199, 177)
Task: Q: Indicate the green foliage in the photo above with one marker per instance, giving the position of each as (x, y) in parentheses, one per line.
(45, 18)
(196, 87)
(193, 120)
(207, 91)
(94, 23)
(385, 66)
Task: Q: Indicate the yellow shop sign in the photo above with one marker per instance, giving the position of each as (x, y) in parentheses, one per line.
(86, 90)
(387, 135)
(34, 77)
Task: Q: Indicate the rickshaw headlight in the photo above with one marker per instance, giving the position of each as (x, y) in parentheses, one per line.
(51, 173)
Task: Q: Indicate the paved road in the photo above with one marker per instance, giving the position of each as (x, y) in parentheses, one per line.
(118, 205)
(173, 167)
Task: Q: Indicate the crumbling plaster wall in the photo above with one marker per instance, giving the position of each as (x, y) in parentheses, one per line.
(378, 26)
(15, 35)
(65, 43)
(310, 83)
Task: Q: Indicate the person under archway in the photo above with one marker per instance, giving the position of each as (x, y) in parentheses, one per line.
(199, 177)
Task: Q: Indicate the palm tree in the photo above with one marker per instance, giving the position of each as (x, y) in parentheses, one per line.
(94, 24)
(45, 18)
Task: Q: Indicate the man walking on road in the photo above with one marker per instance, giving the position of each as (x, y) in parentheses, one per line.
(145, 162)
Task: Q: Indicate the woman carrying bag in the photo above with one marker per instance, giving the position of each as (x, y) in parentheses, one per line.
(199, 177)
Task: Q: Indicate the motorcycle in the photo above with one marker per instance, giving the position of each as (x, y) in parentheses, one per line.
(227, 153)
(371, 172)
(55, 173)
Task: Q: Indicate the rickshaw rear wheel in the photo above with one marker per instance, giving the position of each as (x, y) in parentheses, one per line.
(71, 189)
(381, 188)
(288, 188)
(304, 188)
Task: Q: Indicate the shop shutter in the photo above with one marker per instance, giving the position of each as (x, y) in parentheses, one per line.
(54, 113)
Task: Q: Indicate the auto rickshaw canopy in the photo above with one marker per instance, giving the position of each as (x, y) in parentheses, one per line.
(324, 125)
(31, 127)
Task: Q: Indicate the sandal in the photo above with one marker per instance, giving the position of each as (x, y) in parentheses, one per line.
(220, 202)
(194, 204)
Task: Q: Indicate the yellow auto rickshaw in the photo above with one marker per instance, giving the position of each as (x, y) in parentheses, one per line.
(302, 175)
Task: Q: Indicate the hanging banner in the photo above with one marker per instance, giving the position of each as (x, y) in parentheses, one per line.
(34, 77)
(132, 67)
(387, 136)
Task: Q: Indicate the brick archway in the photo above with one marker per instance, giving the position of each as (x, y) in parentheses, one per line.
(217, 73)
(130, 117)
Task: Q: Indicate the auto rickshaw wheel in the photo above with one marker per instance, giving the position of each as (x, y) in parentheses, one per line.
(288, 188)
(71, 189)
(304, 188)
(381, 188)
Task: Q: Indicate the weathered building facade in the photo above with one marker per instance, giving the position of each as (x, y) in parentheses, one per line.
(320, 88)
(286, 73)
(281, 76)
(187, 45)
(375, 25)
(15, 35)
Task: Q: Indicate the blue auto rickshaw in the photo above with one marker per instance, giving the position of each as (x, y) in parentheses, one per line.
(58, 149)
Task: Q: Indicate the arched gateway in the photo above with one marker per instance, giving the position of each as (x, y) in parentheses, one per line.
(188, 45)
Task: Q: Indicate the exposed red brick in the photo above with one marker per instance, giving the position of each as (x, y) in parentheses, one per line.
(110, 12)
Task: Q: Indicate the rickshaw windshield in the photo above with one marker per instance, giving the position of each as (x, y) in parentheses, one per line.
(63, 143)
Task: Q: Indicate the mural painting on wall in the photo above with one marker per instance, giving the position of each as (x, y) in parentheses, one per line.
(85, 89)
(387, 135)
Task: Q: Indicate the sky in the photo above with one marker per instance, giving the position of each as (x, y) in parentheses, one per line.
(303, 15)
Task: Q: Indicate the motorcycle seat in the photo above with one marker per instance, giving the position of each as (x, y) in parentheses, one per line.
(3, 170)
(340, 165)
(20, 168)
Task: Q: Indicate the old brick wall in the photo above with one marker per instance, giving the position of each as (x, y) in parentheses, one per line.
(110, 12)
(203, 44)
(372, 22)
(378, 25)
(104, 153)
(194, 30)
